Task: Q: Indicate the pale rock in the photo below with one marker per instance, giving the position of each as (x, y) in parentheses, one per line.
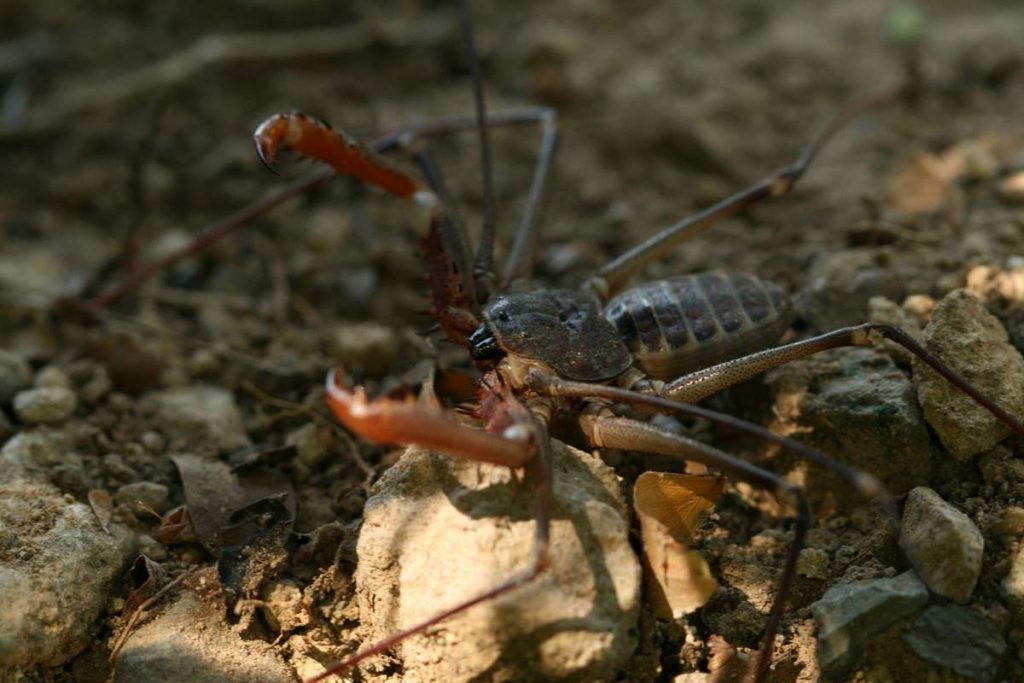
(57, 566)
(191, 641)
(199, 416)
(975, 345)
(439, 530)
(942, 543)
(45, 405)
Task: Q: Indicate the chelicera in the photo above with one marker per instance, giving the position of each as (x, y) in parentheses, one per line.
(659, 346)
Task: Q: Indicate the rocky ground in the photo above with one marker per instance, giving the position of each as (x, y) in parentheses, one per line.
(176, 502)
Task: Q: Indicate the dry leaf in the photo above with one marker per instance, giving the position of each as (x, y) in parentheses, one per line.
(670, 507)
(147, 577)
(102, 506)
(175, 527)
(233, 511)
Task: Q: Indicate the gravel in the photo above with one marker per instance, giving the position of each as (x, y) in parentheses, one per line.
(975, 344)
(850, 616)
(45, 405)
(943, 544)
(958, 638)
(201, 417)
(15, 375)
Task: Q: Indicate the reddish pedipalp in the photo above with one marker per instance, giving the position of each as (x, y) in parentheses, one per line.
(314, 139)
(450, 306)
(413, 423)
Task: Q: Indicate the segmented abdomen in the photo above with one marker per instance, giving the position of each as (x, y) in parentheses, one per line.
(686, 323)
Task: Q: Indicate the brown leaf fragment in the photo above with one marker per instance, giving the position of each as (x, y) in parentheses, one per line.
(670, 507)
(214, 491)
(726, 664)
(175, 527)
(252, 545)
(242, 516)
(102, 506)
(148, 577)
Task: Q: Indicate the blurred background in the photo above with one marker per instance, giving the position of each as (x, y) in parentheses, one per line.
(126, 118)
(125, 128)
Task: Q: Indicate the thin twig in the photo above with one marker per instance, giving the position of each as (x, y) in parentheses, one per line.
(208, 236)
(138, 613)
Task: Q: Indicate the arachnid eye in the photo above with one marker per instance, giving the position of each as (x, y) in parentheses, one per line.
(483, 344)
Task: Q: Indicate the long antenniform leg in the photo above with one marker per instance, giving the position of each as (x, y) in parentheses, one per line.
(631, 435)
(523, 443)
(525, 235)
(518, 262)
(642, 437)
(703, 383)
(638, 436)
(483, 263)
(393, 421)
(613, 275)
(526, 435)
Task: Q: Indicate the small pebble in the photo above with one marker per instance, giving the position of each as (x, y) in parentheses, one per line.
(974, 344)
(51, 376)
(1011, 190)
(47, 405)
(812, 563)
(199, 415)
(368, 346)
(312, 442)
(958, 638)
(153, 441)
(152, 548)
(850, 615)
(15, 375)
(1013, 584)
(942, 543)
(98, 386)
(920, 306)
(972, 160)
(69, 478)
(124, 514)
(149, 494)
(204, 362)
(115, 467)
(119, 402)
(1009, 524)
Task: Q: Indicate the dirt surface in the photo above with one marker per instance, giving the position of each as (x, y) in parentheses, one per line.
(663, 108)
